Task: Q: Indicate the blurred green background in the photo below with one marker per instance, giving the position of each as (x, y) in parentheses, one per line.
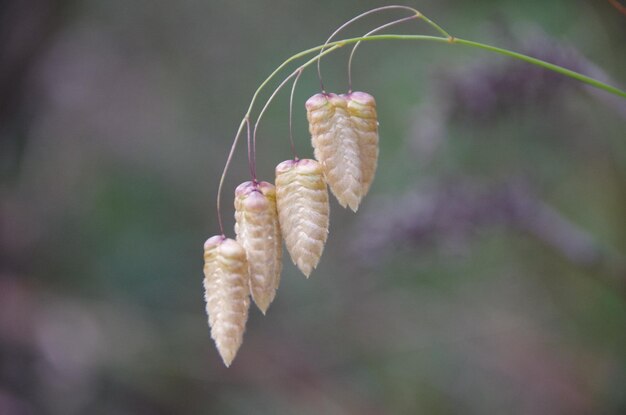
(483, 274)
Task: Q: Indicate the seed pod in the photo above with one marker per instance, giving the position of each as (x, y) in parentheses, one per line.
(336, 146)
(226, 291)
(362, 111)
(258, 231)
(303, 212)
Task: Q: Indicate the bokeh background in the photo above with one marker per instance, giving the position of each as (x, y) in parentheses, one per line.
(483, 274)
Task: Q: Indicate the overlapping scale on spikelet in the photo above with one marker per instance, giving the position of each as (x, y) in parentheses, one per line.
(336, 146)
(258, 231)
(362, 111)
(303, 211)
(226, 291)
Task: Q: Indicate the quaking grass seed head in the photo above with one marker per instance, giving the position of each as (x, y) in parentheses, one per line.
(336, 146)
(226, 287)
(303, 211)
(258, 231)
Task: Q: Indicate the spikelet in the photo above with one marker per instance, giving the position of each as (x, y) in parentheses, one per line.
(362, 111)
(226, 291)
(258, 231)
(303, 212)
(336, 146)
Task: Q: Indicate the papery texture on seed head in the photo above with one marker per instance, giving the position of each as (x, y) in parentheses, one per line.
(226, 291)
(258, 231)
(303, 211)
(336, 146)
(362, 111)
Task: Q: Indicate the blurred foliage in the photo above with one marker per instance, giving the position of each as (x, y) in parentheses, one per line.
(115, 121)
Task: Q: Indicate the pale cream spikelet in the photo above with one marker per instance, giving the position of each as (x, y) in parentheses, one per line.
(258, 231)
(362, 111)
(336, 146)
(226, 291)
(303, 211)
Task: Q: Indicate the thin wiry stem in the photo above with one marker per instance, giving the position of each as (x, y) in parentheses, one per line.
(279, 87)
(435, 26)
(332, 46)
(267, 104)
(251, 153)
(293, 89)
(349, 22)
(371, 32)
(228, 160)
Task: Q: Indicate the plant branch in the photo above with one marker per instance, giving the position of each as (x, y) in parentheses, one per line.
(332, 46)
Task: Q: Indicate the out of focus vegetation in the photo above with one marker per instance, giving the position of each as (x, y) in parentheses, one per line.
(484, 274)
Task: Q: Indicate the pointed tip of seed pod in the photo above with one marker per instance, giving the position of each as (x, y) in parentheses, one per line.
(349, 201)
(227, 361)
(227, 353)
(306, 269)
(262, 304)
(353, 203)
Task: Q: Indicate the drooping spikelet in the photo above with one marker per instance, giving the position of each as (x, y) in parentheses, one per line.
(336, 145)
(258, 231)
(303, 212)
(362, 111)
(226, 291)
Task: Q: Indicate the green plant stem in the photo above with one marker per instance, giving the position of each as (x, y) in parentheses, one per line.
(546, 65)
(332, 46)
(458, 41)
(435, 26)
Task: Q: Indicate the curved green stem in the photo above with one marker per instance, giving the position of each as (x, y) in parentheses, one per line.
(332, 46)
(435, 26)
(546, 65)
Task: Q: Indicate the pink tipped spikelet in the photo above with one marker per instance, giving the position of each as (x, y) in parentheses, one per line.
(226, 291)
(344, 134)
(258, 232)
(336, 146)
(303, 211)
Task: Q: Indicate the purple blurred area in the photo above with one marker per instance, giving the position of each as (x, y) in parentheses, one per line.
(484, 273)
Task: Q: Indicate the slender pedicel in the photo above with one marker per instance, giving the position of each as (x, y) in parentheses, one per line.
(293, 89)
(371, 32)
